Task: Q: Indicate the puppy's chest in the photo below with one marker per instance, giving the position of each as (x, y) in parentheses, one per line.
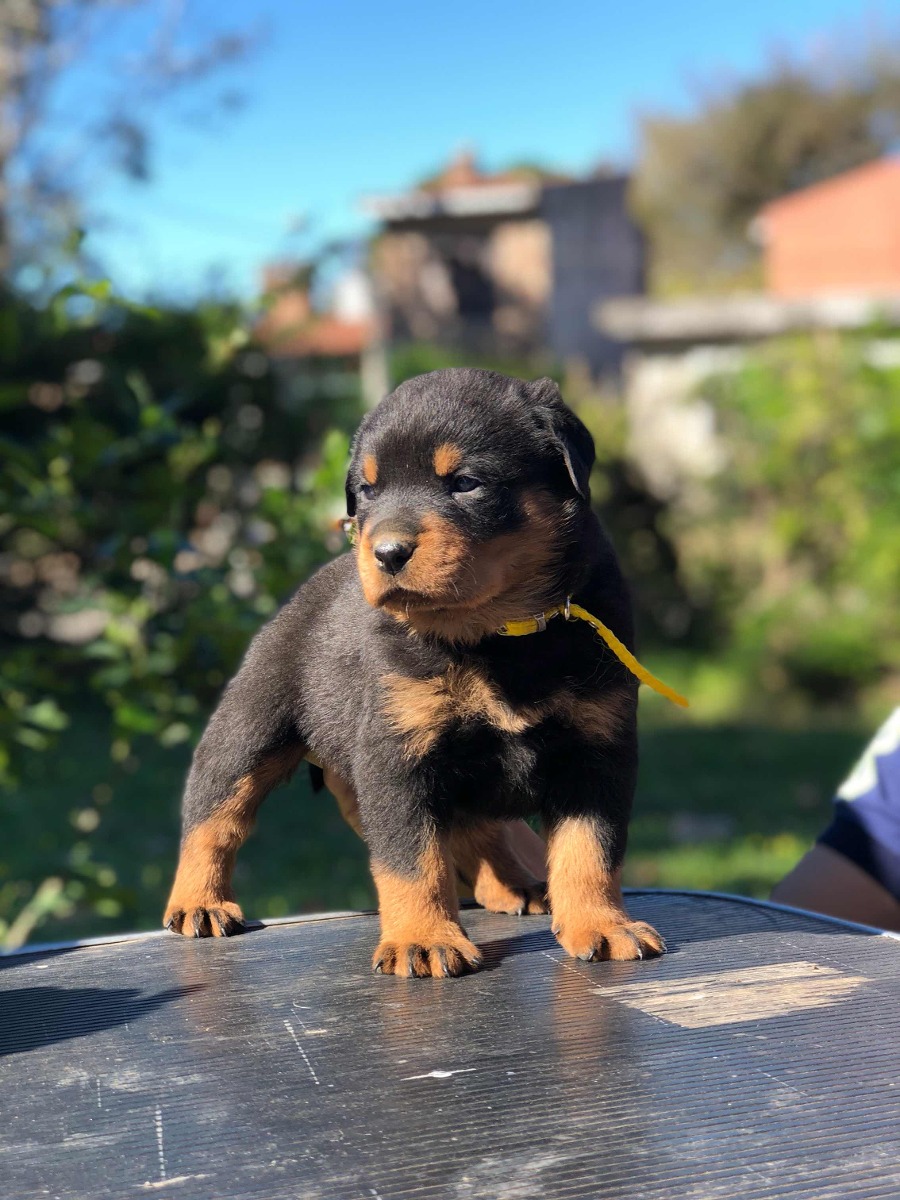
(463, 699)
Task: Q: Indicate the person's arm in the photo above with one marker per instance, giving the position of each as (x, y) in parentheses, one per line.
(825, 881)
(853, 871)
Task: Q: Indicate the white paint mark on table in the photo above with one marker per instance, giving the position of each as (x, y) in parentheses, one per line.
(160, 1183)
(439, 1074)
(738, 994)
(289, 1027)
(160, 1148)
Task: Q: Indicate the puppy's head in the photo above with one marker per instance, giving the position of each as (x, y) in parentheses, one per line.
(469, 490)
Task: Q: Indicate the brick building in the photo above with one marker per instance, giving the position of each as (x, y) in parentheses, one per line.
(512, 263)
(842, 235)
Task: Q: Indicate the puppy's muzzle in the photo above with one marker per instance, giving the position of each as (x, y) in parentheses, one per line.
(393, 552)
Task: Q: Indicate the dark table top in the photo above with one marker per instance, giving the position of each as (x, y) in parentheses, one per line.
(759, 1058)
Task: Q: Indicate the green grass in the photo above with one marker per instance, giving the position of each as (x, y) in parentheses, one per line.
(720, 808)
(731, 808)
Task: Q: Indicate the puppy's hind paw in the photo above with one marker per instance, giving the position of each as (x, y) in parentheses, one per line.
(498, 897)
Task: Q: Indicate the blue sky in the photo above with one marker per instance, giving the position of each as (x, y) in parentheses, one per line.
(349, 97)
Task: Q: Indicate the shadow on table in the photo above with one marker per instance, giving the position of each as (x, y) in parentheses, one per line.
(682, 918)
(34, 1017)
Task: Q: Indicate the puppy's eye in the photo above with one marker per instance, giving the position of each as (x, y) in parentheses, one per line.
(367, 490)
(465, 483)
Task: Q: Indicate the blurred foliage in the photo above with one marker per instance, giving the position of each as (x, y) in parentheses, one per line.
(150, 458)
(152, 56)
(701, 180)
(794, 550)
(636, 521)
(731, 807)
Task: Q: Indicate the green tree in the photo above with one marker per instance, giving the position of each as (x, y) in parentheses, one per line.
(42, 44)
(163, 490)
(701, 180)
(797, 552)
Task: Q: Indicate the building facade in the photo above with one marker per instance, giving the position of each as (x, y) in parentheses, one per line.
(840, 236)
(512, 263)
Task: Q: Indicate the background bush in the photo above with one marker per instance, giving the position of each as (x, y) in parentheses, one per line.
(162, 493)
(794, 550)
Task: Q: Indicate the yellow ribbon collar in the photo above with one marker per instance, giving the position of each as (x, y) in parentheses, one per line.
(570, 611)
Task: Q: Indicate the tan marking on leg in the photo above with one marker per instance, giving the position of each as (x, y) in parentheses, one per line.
(202, 900)
(346, 799)
(370, 469)
(529, 847)
(420, 930)
(485, 856)
(589, 917)
(447, 458)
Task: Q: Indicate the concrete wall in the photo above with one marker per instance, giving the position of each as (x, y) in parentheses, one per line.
(538, 274)
(598, 253)
(670, 347)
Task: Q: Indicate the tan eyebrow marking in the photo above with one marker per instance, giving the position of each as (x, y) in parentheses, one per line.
(370, 469)
(447, 458)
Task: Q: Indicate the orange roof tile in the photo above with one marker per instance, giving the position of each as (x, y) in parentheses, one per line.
(291, 329)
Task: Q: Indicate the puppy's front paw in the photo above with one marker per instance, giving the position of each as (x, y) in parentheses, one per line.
(436, 952)
(213, 918)
(499, 897)
(602, 939)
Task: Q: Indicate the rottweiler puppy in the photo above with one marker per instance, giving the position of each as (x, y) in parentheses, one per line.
(390, 670)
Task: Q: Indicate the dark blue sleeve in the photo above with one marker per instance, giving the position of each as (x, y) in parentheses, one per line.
(866, 823)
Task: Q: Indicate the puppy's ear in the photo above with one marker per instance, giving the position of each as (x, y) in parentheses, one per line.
(352, 469)
(569, 435)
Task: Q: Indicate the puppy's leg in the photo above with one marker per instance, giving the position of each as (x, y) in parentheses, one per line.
(501, 863)
(589, 917)
(417, 901)
(529, 848)
(492, 857)
(249, 746)
(590, 788)
(420, 930)
(346, 799)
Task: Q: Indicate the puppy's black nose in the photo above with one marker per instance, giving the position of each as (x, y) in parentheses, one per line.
(393, 554)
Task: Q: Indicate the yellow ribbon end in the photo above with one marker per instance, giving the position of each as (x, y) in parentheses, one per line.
(627, 658)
